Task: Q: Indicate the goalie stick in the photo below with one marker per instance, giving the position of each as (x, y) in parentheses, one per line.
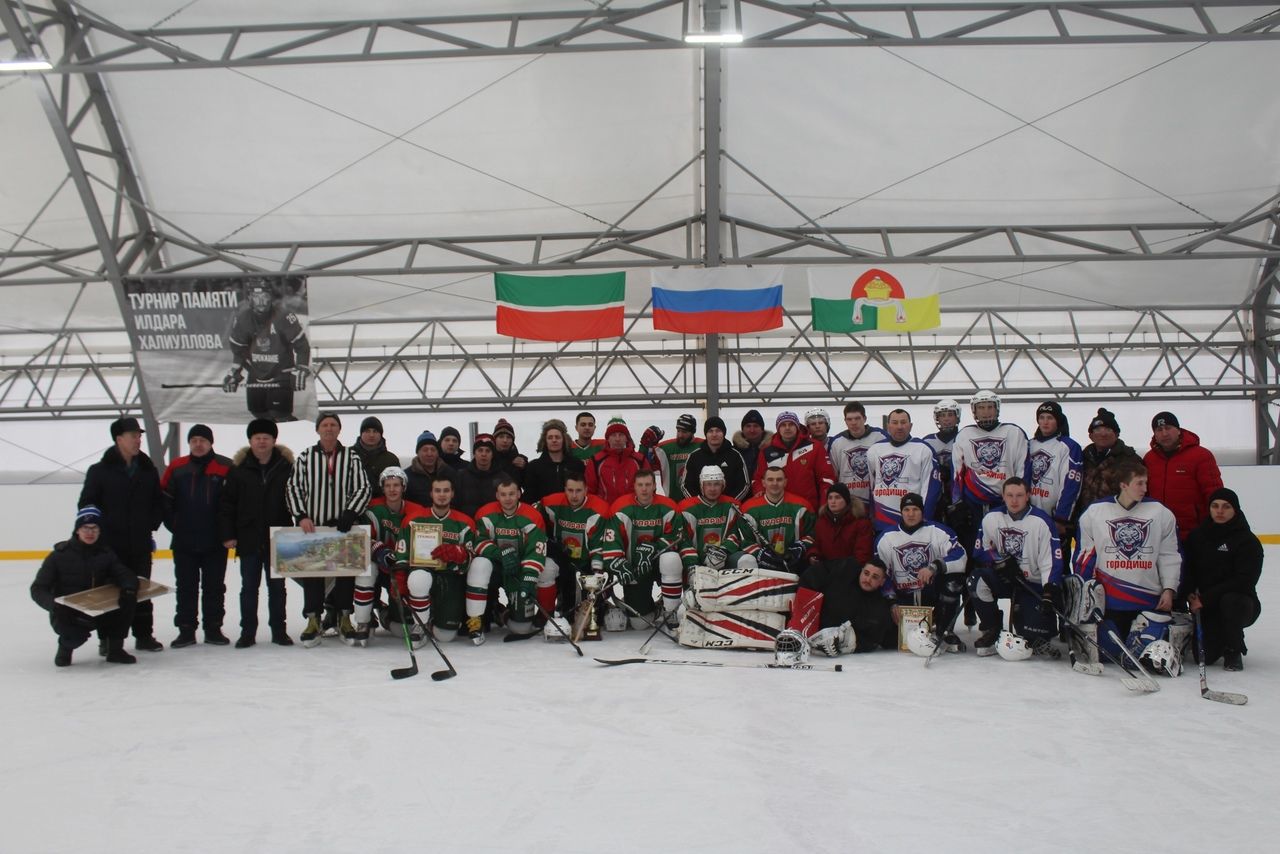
(1217, 696)
(836, 668)
(1142, 683)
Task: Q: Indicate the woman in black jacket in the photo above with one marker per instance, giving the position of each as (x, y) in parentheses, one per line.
(1220, 572)
(545, 475)
(79, 564)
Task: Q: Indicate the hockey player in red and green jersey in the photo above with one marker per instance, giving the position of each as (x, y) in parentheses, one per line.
(578, 532)
(672, 455)
(457, 544)
(511, 535)
(712, 523)
(389, 518)
(649, 528)
(781, 522)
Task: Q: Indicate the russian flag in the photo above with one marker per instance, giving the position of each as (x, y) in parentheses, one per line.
(717, 300)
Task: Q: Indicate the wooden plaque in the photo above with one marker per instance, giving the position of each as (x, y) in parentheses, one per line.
(105, 598)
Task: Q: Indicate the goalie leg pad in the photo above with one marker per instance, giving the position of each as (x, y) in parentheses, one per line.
(478, 576)
(806, 611)
(1085, 601)
(742, 589)
(731, 630)
(982, 592)
(1084, 655)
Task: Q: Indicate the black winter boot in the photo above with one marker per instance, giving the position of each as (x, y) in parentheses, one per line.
(147, 644)
(246, 640)
(186, 637)
(117, 655)
(214, 635)
(63, 658)
(281, 638)
(1232, 660)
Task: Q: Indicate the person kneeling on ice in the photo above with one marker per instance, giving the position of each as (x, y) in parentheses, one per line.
(447, 608)
(79, 564)
(730, 602)
(926, 564)
(578, 532)
(1018, 558)
(512, 535)
(1223, 565)
(841, 608)
(1129, 543)
(649, 528)
(390, 517)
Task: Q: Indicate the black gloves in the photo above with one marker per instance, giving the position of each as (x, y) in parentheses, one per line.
(345, 521)
(128, 597)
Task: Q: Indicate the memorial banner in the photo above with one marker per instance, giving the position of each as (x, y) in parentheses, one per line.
(223, 349)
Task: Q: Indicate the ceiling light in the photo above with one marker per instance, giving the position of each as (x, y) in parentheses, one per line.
(25, 63)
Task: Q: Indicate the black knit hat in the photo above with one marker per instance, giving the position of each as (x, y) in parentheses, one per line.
(911, 499)
(201, 430)
(323, 415)
(1227, 495)
(1165, 419)
(1105, 418)
(753, 416)
(262, 425)
(1054, 408)
(451, 431)
(687, 422)
(88, 515)
(841, 490)
(714, 422)
(371, 421)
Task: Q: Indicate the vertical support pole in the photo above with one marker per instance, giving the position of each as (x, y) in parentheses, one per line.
(712, 92)
(1266, 361)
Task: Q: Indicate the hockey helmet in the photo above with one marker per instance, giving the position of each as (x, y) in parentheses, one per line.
(921, 640)
(791, 648)
(985, 396)
(1161, 657)
(1013, 647)
(393, 471)
(556, 630)
(817, 412)
(945, 405)
(259, 293)
(710, 474)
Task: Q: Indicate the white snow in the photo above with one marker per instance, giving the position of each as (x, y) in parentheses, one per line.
(531, 748)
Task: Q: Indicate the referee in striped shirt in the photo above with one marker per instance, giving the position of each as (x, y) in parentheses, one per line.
(328, 487)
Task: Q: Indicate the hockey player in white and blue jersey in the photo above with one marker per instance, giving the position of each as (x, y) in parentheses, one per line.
(1016, 557)
(848, 452)
(946, 417)
(925, 565)
(900, 466)
(1129, 543)
(1057, 467)
(986, 454)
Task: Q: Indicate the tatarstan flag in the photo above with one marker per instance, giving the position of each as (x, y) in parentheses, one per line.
(560, 308)
(900, 298)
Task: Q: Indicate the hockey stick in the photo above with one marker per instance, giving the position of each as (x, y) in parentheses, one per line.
(439, 675)
(1217, 696)
(950, 630)
(653, 624)
(552, 620)
(835, 668)
(190, 385)
(412, 670)
(1143, 683)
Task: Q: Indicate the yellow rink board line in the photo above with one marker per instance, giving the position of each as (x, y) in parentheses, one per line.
(166, 554)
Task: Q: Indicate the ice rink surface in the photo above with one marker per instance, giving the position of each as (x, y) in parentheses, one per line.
(531, 749)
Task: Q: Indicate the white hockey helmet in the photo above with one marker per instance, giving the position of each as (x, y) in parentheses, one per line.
(556, 630)
(791, 648)
(1161, 657)
(817, 412)
(1013, 647)
(710, 474)
(393, 471)
(945, 405)
(921, 640)
(985, 396)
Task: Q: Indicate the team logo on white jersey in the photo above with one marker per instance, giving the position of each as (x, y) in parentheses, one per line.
(1129, 535)
(1040, 462)
(1011, 540)
(891, 467)
(857, 459)
(913, 556)
(989, 452)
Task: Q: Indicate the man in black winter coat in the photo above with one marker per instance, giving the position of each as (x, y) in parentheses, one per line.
(253, 502)
(192, 488)
(855, 594)
(717, 451)
(545, 475)
(426, 465)
(125, 486)
(1220, 573)
(477, 480)
(79, 564)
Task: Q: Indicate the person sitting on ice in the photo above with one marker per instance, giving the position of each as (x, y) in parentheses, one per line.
(853, 612)
(1018, 558)
(79, 564)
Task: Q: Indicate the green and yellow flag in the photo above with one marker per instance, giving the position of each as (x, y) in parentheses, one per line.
(901, 298)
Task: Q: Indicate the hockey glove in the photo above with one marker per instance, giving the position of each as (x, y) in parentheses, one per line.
(771, 560)
(232, 380)
(510, 561)
(128, 596)
(300, 374)
(1007, 570)
(620, 569)
(795, 555)
(450, 553)
(555, 551)
(384, 557)
(643, 555)
(1048, 597)
(345, 521)
(715, 556)
(837, 640)
(527, 587)
(651, 436)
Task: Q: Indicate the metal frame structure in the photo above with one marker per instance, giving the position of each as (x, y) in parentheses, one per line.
(1227, 351)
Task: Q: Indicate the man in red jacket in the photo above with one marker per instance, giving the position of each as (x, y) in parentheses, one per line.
(1181, 474)
(611, 474)
(808, 468)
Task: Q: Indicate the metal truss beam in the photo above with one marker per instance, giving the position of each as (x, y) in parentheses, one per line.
(431, 365)
(139, 253)
(660, 25)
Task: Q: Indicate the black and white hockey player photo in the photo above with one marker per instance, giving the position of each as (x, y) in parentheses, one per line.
(270, 353)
